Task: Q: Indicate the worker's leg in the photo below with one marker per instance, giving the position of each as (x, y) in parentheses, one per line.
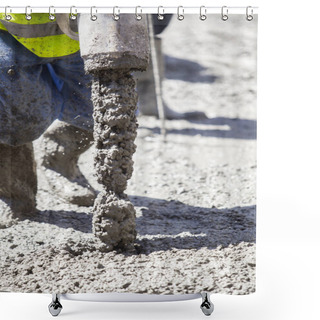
(26, 110)
(66, 140)
(29, 103)
(61, 146)
(18, 183)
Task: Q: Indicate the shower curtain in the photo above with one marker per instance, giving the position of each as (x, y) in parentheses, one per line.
(82, 210)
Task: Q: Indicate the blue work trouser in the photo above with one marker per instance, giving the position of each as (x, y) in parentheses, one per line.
(35, 91)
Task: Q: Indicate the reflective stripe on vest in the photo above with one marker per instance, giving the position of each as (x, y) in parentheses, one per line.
(40, 35)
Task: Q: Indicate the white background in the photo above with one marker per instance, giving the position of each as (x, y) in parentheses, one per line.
(288, 267)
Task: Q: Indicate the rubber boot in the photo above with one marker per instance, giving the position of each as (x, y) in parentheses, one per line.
(18, 184)
(147, 93)
(60, 148)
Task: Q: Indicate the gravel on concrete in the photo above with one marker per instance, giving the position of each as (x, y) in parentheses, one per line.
(194, 194)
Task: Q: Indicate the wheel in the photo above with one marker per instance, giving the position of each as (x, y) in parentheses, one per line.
(206, 305)
(55, 306)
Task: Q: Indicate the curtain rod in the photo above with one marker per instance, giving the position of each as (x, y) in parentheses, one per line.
(132, 10)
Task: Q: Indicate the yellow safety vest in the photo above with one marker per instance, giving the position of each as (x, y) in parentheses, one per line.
(40, 35)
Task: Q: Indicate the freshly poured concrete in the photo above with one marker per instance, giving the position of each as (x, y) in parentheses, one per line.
(194, 195)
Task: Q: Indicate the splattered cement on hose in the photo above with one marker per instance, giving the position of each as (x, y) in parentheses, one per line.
(115, 128)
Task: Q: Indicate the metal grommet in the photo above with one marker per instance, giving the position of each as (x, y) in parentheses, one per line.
(249, 17)
(52, 17)
(8, 16)
(160, 15)
(224, 13)
(28, 14)
(180, 13)
(93, 16)
(116, 16)
(11, 72)
(138, 16)
(73, 15)
(203, 13)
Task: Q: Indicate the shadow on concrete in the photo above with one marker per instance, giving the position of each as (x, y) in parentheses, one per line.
(187, 70)
(164, 225)
(233, 128)
(80, 221)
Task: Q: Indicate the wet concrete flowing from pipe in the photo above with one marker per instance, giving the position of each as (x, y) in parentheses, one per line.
(115, 128)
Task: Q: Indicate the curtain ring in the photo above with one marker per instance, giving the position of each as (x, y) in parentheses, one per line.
(52, 17)
(224, 13)
(203, 13)
(180, 14)
(160, 15)
(73, 15)
(249, 17)
(138, 16)
(93, 16)
(8, 16)
(116, 16)
(28, 14)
